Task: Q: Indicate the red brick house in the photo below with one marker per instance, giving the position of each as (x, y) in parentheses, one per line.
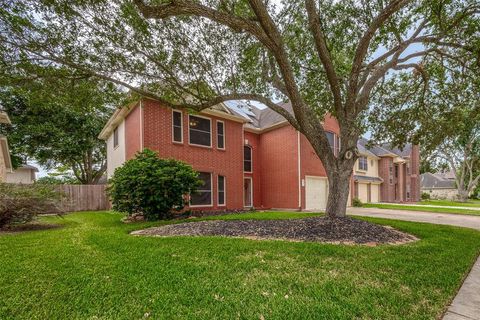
(249, 157)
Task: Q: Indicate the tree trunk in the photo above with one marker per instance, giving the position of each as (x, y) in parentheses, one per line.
(462, 195)
(338, 190)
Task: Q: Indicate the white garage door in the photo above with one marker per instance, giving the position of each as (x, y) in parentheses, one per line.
(375, 193)
(363, 192)
(316, 192)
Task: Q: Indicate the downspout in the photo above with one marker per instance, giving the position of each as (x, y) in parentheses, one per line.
(299, 173)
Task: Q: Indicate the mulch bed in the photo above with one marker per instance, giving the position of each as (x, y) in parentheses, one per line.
(28, 227)
(317, 229)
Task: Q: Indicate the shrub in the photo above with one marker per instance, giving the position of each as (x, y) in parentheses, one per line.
(356, 202)
(152, 186)
(425, 196)
(21, 203)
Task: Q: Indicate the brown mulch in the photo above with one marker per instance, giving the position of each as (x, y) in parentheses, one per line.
(28, 227)
(344, 231)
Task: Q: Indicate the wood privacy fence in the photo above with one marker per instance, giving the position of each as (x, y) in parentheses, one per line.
(80, 197)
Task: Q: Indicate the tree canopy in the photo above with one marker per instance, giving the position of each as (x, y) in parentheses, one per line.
(56, 121)
(322, 56)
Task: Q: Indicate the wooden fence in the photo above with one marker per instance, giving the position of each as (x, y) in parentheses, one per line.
(85, 197)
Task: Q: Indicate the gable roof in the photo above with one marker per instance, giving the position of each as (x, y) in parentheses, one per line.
(431, 181)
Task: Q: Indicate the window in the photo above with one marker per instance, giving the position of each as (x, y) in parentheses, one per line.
(177, 125)
(115, 137)
(408, 168)
(331, 140)
(363, 163)
(390, 176)
(220, 135)
(203, 196)
(221, 190)
(396, 171)
(408, 191)
(200, 131)
(247, 159)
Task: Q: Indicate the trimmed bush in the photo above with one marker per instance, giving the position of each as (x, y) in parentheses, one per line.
(21, 203)
(425, 196)
(356, 202)
(153, 187)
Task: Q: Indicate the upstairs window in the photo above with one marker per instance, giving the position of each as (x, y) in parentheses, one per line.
(115, 137)
(221, 190)
(200, 131)
(203, 196)
(177, 125)
(247, 159)
(363, 163)
(220, 135)
(333, 141)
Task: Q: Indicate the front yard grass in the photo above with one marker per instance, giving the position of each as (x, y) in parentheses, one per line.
(450, 203)
(91, 268)
(459, 210)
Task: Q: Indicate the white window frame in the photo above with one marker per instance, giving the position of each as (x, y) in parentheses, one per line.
(211, 194)
(211, 131)
(251, 158)
(223, 135)
(173, 126)
(251, 193)
(365, 163)
(224, 191)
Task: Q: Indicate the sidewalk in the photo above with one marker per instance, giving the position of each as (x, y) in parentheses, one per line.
(431, 206)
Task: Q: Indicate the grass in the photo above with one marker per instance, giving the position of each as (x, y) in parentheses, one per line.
(91, 268)
(458, 210)
(450, 203)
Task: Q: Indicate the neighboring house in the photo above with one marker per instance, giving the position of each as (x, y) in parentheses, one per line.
(246, 156)
(385, 174)
(439, 185)
(24, 174)
(5, 160)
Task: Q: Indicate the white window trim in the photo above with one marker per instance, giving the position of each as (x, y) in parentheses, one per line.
(251, 192)
(211, 132)
(181, 125)
(211, 195)
(224, 191)
(216, 129)
(251, 159)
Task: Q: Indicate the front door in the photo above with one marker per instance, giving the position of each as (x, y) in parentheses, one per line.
(247, 192)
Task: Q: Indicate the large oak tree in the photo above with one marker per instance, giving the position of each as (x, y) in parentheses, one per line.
(322, 56)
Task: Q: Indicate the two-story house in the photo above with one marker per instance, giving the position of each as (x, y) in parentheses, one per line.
(247, 157)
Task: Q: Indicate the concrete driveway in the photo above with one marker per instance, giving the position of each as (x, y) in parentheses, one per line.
(466, 305)
(459, 220)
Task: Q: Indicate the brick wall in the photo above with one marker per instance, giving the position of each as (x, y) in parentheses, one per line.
(257, 167)
(228, 162)
(133, 134)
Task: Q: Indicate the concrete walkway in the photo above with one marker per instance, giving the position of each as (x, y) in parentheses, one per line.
(466, 305)
(431, 206)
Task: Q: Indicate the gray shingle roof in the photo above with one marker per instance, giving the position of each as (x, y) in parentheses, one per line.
(431, 181)
(367, 178)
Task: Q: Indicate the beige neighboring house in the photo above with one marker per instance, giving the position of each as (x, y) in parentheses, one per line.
(366, 176)
(439, 185)
(5, 160)
(25, 174)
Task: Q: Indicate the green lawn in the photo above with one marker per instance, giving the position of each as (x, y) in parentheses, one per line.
(93, 269)
(458, 210)
(450, 203)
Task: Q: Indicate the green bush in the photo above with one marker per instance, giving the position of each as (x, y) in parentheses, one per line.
(21, 203)
(425, 196)
(356, 202)
(151, 186)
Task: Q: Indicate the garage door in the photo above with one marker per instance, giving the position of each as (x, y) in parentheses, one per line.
(363, 192)
(375, 197)
(316, 193)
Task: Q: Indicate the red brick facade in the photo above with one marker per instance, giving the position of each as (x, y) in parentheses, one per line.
(282, 158)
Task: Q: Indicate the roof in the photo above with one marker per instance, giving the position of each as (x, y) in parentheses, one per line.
(4, 118)
(259, 118)
(367, 178)
(432, 181)
(383, 150)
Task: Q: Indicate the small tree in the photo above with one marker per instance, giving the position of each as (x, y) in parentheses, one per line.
(21, 203)
(152, 186)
